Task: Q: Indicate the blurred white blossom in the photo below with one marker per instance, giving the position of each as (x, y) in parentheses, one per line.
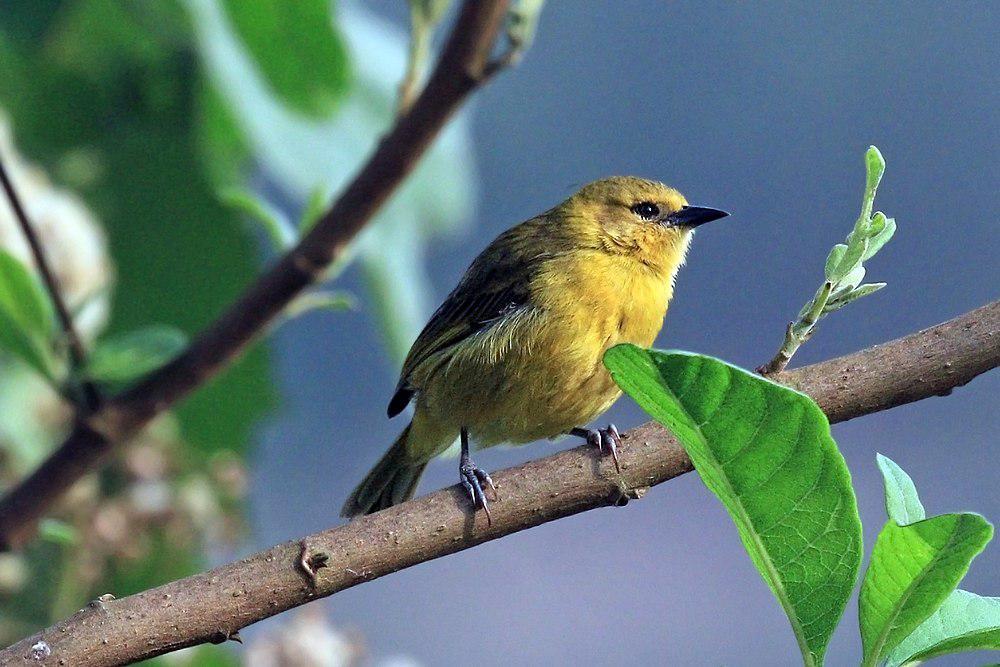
(308, 639)
(73, 241)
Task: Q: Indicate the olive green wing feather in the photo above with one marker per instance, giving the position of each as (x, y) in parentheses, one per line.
(494, 286)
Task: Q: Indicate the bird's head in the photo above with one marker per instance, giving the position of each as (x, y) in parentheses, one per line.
(637, 217)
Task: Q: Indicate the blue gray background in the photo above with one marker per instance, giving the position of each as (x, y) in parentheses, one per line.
(764, 109)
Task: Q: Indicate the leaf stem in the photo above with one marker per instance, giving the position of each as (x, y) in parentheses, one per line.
(78, 356)
(416, 60)
(798, 332)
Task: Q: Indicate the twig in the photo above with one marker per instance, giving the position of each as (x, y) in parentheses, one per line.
(77, 353)
(220, 602)
(421, 31)
(798, 332)
(461, 69)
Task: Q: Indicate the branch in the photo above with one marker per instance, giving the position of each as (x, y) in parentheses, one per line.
(77, 354)
(464, 66)
(213, 606)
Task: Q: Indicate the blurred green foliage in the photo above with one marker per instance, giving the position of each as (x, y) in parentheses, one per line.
(296, 49)
(155, 112)
(109, 98)
(26, 317)
(117, 82)
(302, 156)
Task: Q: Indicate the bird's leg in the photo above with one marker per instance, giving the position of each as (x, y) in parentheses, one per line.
(473, 478)
(605, 439)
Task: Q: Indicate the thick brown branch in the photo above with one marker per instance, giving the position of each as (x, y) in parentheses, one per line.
(464, 65)
(214, 605)
(90, 397)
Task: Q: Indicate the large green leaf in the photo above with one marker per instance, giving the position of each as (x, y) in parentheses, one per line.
(26, 319)
(766, 452)
(913, 569)
(965, 622)
(296, 49)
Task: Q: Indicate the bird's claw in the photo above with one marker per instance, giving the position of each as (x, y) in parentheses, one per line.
(473, 478)
(606, 440)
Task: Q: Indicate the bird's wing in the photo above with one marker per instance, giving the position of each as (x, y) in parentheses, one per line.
(494, 286)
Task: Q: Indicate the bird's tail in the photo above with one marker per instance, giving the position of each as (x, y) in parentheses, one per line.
(393, 480)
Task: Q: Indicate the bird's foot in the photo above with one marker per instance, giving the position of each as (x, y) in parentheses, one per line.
(605, 439)
(473, 479)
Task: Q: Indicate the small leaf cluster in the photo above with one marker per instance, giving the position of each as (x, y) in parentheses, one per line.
(28, 331)
(844, 269)
(910, 609)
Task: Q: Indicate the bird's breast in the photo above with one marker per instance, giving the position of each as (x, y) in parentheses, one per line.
(607, 299)
(588, 306)
(540, 373)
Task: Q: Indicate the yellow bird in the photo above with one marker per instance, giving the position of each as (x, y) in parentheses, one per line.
(514, 354)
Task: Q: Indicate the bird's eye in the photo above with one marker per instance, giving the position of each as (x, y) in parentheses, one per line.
(646, 210)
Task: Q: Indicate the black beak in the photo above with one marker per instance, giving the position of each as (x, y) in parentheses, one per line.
(693, 216)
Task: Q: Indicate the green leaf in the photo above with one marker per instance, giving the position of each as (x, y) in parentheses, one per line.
(22, 296)
(131, 355)
(319, 300)
(902, 503)
(810, 312)
(874, 168)
(766, 452)
(316, 206)
(57, 532)
(15, 340)
(851, 258)
(849, 281)
(221, 145)
(279, 229)
(880, 237)
(522, 22)
(842, 299)
(430, 11)
(296, 49)
(26, 318)
(965, 622)
(833, 260)
(912, 571)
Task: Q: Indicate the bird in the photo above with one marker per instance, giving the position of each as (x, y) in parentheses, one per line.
(514, 354)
